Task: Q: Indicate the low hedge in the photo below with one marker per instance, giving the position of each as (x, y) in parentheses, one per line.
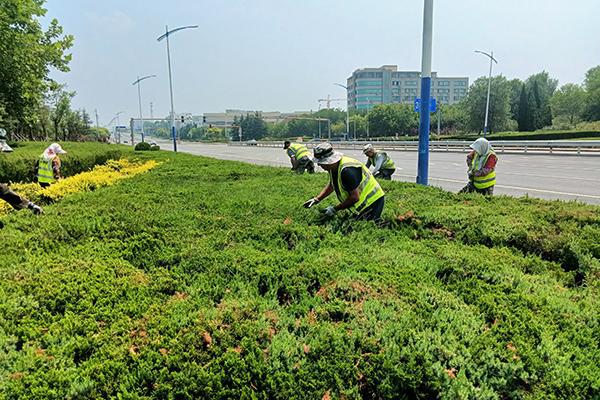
(549, 135)
(19, 166)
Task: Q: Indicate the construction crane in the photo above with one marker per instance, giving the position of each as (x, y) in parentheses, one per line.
(328, 101)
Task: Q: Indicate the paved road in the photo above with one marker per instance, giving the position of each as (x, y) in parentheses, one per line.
(544, 176)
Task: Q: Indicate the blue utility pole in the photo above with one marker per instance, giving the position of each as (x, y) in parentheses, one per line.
(423, 163)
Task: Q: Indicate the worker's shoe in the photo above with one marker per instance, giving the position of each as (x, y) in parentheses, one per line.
(37, 210)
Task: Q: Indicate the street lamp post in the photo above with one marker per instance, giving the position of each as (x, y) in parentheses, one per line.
(347, 108)
(160, 38)
(111, 121)
(487, 103)
(140, 98)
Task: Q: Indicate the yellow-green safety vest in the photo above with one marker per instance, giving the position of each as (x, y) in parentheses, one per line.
(45, 172)
(369, 189)
(387, 164)
(298, 151)
(486, 181)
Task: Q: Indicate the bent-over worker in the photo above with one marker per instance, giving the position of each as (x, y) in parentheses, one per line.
(48, 168)
(481, 163)
(383, 165)
(6, 193)
(299, 157)
(356, 188)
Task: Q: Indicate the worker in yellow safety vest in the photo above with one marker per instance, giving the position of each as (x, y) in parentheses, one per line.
(383, 165)
(481, 163)
(48, 166)
(299, 157)
(356, 188)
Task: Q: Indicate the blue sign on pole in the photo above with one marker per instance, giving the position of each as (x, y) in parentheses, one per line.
(432, 105)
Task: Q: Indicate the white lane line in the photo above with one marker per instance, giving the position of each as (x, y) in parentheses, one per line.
(551, 176)
(591, 196)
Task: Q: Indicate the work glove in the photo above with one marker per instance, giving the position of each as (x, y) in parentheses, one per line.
(35, 208)
(311, 202)
(330, 211)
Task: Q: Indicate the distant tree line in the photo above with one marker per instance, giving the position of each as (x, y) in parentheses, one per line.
(515, 105)
(32, 105)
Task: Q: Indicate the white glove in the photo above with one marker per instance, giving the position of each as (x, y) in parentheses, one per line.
(35, 208)
(330, 211)
(311, 202)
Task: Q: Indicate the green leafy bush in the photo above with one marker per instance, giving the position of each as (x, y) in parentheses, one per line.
(143, 146)
(154, 147)
(209, 280)
(20, 166)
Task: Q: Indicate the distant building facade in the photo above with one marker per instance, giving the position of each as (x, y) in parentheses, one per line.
(368, 87)
(226, 118)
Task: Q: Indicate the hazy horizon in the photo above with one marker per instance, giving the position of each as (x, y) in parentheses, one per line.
(283, 55)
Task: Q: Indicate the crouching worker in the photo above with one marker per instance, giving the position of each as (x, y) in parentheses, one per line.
(481, 162)
(383, 165)
(299, 157)
(356, 188)
(48, 168)
(16, 201)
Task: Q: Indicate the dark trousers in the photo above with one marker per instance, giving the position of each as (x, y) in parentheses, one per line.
(385, 174)
(305, 163)
(12, 198)
(470, 188)
(373, 212)
(44, 184)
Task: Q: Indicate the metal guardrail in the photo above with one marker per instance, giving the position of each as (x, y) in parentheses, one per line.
(578, 147)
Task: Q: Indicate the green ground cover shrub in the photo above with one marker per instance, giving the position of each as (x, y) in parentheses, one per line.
(207, 279)
(143, 146)
(19, 166)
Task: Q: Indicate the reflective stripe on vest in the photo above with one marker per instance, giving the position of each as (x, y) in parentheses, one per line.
(388, 163)
(45, 172)
(299, 150)
(369, 190)
(486, 181)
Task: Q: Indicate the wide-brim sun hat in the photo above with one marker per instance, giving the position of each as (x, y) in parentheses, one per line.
(57, 148)
(325, 155)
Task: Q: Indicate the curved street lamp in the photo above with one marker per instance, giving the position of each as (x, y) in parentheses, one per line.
(112, 120)
(487, 103)
(347, 108)
(137, 82)
(160, 38)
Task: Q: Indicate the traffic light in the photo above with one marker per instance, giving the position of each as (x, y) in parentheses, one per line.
(182, 119)
(203, 119)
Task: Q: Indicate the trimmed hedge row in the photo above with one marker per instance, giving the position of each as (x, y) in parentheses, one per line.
(532, 136)
(20, 166)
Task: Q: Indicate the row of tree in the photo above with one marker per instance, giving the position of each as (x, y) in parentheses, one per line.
(32, 105)
(529, 105)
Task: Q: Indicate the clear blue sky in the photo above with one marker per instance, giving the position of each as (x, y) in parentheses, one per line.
(285, 54)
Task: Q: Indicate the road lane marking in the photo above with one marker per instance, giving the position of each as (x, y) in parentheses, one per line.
(591, 196)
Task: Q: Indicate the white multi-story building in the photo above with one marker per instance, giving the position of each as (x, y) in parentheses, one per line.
(370, 86)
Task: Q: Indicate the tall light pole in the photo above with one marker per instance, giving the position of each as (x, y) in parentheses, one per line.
(423, 163)
(160, 38)
(347, 108)
(111, 121)
(487, 103)
(140, 98)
